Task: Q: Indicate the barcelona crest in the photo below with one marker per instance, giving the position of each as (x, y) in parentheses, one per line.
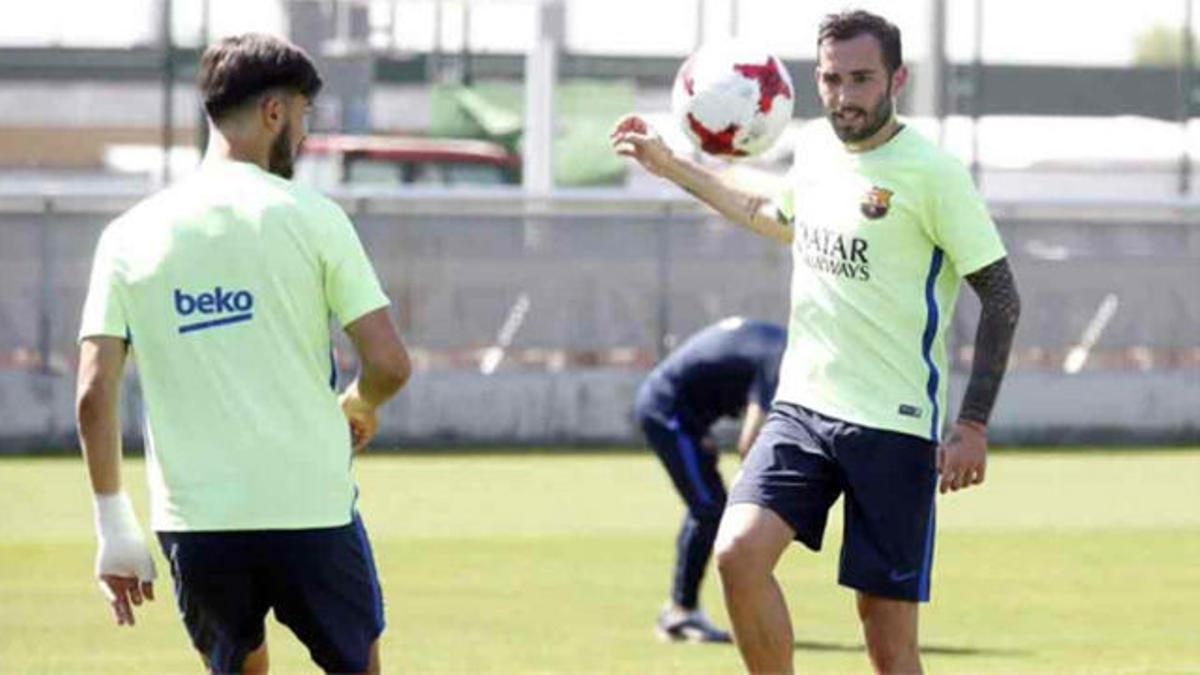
(876, 202)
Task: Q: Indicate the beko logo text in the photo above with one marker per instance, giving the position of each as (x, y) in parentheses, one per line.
(218, 307)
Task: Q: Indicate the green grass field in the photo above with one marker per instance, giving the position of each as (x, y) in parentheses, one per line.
(544, 563)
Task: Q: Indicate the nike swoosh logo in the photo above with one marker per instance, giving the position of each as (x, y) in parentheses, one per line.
(898, 577)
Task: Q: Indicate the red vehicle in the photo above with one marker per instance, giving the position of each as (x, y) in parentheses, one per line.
(327, 161)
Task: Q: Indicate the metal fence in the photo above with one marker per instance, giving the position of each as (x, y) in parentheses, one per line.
(499, 293)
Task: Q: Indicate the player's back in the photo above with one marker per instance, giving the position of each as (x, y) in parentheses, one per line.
(715, 372)
(226, 284)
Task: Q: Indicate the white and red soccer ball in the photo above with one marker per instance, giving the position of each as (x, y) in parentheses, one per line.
(732, 100)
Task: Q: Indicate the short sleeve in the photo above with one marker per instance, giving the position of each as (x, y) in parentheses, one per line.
(351, 286)
(960, 223)
(762, 389)
(103, 310)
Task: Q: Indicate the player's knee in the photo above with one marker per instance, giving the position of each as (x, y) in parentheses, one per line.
(738, 558)
(893, 650)
(890, 629)
(894, 659)
(749, 543)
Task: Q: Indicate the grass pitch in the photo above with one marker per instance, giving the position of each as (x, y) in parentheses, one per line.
(545, 563)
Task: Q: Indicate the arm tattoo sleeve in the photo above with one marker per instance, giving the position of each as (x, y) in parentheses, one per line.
(993, 340)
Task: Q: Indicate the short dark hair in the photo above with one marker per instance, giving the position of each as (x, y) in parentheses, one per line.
(852, 23)
(238, 68)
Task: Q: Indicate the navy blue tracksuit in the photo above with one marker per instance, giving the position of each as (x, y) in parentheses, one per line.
(713, 374)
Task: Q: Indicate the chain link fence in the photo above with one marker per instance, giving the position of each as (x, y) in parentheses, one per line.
(505, 299)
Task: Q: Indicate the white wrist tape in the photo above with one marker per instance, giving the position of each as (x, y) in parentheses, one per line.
(122, 550)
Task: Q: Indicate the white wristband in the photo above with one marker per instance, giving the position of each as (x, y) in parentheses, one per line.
(122, 550)
(115, 517)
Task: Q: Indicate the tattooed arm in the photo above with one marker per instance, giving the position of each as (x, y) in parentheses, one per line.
(962, 461)
(993, 338)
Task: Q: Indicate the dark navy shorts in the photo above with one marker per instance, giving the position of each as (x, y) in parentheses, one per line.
(321, 583)
(802, 461)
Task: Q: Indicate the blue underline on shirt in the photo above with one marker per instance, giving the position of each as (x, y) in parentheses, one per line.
(236, 318)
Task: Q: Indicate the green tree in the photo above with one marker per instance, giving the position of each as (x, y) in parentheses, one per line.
(1160, 45)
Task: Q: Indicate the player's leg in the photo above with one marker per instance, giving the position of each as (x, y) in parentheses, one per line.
(784, 491)
(324, 587)
(373, 665)
(693, 472)
(890, 630)
(256, 662)
(887, 553)
(693, 548)
(219, 598)
(750, 542)
(693, 469)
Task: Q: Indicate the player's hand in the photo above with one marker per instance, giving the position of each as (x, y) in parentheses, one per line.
(122, 593)
(634, 137)
(361, 416)
(709, 444)
(123, 564)
(962, 460)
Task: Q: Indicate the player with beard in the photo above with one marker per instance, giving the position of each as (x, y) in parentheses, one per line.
(883, 227)
(222, 287)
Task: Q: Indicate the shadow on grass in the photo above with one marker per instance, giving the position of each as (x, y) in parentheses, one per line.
(927, 650)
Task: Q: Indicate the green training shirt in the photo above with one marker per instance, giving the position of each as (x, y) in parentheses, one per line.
(224, 284)
(882, 241)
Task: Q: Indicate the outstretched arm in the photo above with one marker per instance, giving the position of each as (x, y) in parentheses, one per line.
(634, 138)
(964, 457)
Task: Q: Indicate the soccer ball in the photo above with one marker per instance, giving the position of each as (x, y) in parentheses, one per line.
(732, 100)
